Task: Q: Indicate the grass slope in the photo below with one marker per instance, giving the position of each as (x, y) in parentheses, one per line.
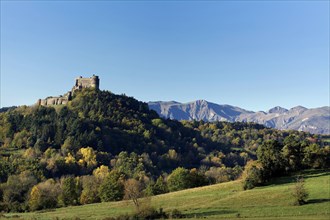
(220, 201)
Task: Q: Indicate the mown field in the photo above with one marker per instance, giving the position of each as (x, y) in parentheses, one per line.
(221, 201)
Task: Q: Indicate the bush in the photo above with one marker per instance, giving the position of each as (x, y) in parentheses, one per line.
(299, 192)
(176, 214)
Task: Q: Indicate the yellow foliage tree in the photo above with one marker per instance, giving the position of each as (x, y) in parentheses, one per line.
(88, 156)
(35, 196)
(101, 172)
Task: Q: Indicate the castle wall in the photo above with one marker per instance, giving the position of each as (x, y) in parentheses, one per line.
(84, 82)
(92, 82)
(53, 101)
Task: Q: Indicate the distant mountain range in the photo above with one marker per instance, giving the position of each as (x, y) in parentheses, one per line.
(314, 120)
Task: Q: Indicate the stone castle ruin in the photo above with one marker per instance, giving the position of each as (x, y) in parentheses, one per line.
(81, 83)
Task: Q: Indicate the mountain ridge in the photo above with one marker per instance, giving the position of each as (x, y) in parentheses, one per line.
(313, 120)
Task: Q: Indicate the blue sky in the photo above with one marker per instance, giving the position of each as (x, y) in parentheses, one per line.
(251, 54)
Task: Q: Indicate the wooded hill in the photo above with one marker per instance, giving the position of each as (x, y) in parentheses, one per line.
(90, 149)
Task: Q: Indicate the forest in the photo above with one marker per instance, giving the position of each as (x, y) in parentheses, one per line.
(106, 147)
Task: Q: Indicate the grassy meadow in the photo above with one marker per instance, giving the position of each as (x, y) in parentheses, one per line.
(220, 201)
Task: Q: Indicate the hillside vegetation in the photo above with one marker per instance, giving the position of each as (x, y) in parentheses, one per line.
(219, 201)
(103, 147)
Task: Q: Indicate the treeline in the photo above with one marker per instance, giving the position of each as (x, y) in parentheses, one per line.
(102, 146)
(25, 192)
(277, 159)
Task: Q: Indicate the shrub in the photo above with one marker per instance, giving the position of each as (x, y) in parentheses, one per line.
(299, 192)
(176, 214)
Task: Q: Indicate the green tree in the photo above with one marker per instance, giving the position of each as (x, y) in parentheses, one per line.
(270, 156)
(69, 192)
(112, 188)
(315, 156)
(293, 152)
(5, 170)
(179, 179)
(16, 190)
(160, 186)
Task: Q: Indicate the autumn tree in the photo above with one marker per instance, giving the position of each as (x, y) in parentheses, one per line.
(44, 195)
(87, 159)
(133, 191)
(89, 193)
(252, 175)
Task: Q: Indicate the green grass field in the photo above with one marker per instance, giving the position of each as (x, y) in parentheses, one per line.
(221, 201)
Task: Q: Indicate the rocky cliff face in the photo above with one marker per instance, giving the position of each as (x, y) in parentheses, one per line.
(316, 120)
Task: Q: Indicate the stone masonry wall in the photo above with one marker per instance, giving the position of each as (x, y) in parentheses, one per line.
(92, 82)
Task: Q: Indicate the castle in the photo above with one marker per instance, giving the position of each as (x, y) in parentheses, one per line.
(92, 82)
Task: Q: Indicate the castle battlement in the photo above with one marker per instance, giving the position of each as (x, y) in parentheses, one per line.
(81, 83)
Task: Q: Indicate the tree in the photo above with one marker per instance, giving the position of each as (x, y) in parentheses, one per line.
(293, 152)
(89, 193)
(270, 156)
(197, 178)
(179, 179)
(5, 170)
(133, 191)
(101, 172)
(69, 192)
(16, 189)
(315, 156)
(159, 187)
(44, 195)
(88, 158)
(252, 175)
(299, 192)
(112, 188)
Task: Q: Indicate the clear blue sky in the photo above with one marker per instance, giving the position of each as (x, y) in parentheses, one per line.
(251, 54)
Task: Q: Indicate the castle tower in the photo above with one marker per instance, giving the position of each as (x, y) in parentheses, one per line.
(95, 82)
(81, 83)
